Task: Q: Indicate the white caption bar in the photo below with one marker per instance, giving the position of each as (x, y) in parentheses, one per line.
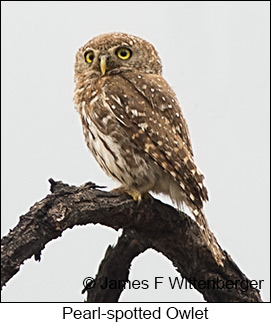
(134, 312)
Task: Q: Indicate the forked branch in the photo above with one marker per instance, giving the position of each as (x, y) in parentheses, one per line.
(152, 224)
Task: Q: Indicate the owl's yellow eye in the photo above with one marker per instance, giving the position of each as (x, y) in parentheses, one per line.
(124, 53)
(89, 57)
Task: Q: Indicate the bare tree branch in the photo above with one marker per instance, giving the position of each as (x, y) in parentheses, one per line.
(115, 267)
(150, 224)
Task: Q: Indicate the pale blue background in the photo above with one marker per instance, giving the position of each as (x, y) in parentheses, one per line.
(215, 56)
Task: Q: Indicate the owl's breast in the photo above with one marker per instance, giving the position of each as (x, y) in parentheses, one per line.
(111, 146)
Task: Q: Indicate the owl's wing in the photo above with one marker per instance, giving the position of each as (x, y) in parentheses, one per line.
(162, 99)
(153, 120)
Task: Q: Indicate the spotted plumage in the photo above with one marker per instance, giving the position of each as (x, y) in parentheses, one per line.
(134, 126)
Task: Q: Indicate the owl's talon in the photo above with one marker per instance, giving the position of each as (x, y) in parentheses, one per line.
(136, 195)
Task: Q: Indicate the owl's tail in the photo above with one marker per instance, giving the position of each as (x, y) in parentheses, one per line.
(209, 237)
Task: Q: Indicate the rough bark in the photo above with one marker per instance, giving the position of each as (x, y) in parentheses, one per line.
(115, 267)
(151, 224)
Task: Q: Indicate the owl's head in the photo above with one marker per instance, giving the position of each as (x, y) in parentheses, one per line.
(116, 52)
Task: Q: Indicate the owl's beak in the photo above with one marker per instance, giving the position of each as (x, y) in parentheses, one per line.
(103, 64)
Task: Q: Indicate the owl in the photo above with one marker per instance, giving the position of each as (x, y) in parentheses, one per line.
(134, 126)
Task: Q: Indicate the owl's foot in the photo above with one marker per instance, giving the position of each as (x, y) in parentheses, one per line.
(136, 195)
